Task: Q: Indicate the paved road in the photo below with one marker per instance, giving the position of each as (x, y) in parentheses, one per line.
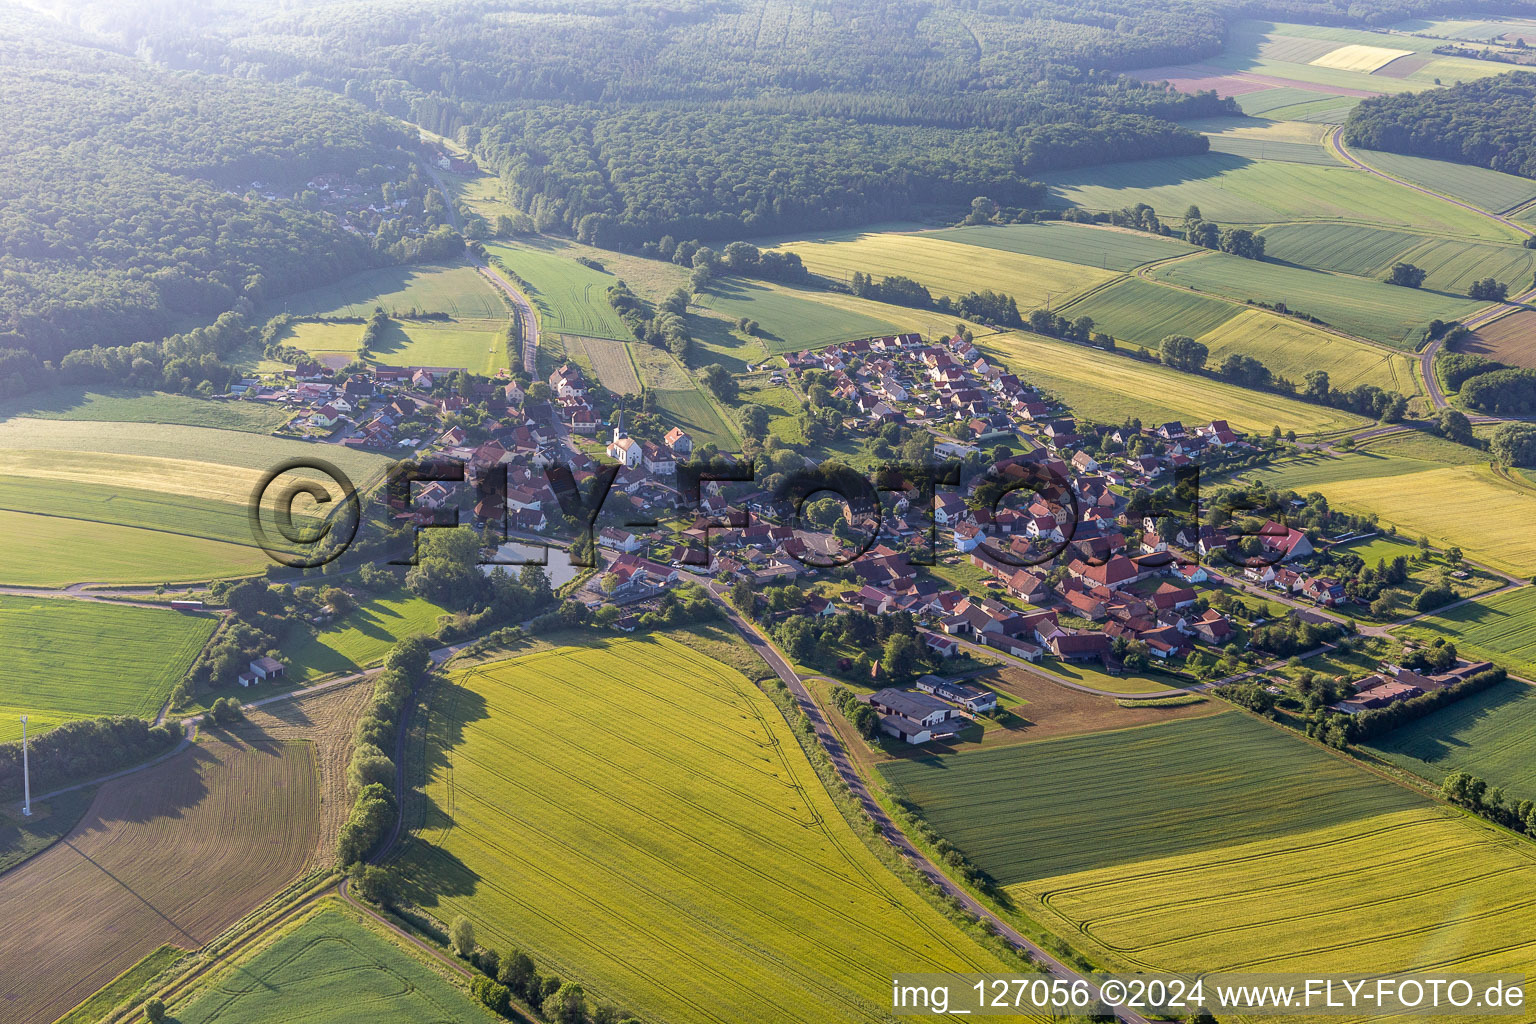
(888, 829)
(525, 318)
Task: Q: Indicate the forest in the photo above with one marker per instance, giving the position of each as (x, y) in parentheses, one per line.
(131, 206)
(1486, 122)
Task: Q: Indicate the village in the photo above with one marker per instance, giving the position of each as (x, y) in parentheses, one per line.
(1066, 547)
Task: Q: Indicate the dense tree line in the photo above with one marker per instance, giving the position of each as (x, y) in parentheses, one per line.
(1510, 391)
(1486, 122)
(81, 749)
(1374, 722)
(371, 771)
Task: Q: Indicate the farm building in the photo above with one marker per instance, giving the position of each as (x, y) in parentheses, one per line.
(265, 668)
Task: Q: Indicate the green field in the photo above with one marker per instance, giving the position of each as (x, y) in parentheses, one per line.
(1224, 843)
(75, 403)
(83, 659)
(947, 267)
(1501, 629)
(1490, 734)
(100, 502)
(335, 969)
(1237, 190)
(1368, 309)
(1449, 504)
(457, 290)
(474, 345)
(1491, 190)
(1293, 349)
(641, 819)
(1137, 312)
(1088, 245)
(570, 298)
(1114, 388)
(1287, 103)
(692, 410)
(1451, 265)
(362, 636)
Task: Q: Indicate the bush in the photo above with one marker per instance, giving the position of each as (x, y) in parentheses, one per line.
(461, 936)
(1431, 598)
(154, 1009)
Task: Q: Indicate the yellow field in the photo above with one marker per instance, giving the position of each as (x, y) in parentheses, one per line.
(1463, 900)
(1471, 507)
(1356, 57)
(186, 477)
(640, 818)
(1291, 348)
(950, 268)
(474, 345)
(1114, 387)
(1263, 131)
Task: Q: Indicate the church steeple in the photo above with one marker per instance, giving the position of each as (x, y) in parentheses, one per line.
(618, 427)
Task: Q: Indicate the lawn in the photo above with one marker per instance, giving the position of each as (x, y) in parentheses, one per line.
(589, 802)
(948, 267)
(127, 406)
(1451, 505)
(362, 636)
(1293, 349)
(1137, 312)
(340, 971)
(1501, 629)
(1200, 839)
(1490, 734)
(1239, 190)
(237, 817)
(1368, 309)
(456, 290)
(1113, 388)
(570, 297)
(83, 659)
(1088, 245)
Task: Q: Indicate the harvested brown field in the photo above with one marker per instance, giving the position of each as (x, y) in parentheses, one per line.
(1194, 78)
(610, 361)
(1510, 339)
(173, 854)
(326, 720)
(1404, 66)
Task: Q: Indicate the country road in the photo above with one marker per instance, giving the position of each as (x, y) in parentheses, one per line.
(888, 829)
(525, 318)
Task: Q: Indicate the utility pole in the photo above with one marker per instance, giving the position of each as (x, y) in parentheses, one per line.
(26, 772)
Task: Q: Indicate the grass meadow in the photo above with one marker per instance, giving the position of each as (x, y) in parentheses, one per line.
(474, 345)
(457, 290)
(364, 635)
(84, 659)
(130, 406)
(1490, 734)
(1224, 843)
(339, 970)
(792, 320)
(589, 802)
(1468, 506)
(1115, 388)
